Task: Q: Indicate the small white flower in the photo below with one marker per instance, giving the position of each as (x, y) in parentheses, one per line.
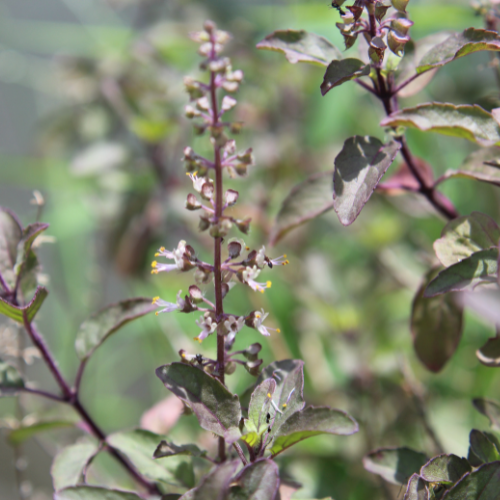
(248, 276)
(261, 257)
(233, 325)
(197, 181)
(177, 254)
(169, 306)
(259, 318)
(208, 326)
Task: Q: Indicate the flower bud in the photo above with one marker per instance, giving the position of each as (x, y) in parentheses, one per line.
(381, 10)
(246, 157)
(230, 86)
(230, 368)
(188, 305)
(228, 103)
(192, 203)
(230, 147)
(195, 294)
(222, 37)
(400, 5)
(401, 25)
(252, 352)
(225, 289)
(191, 112)
(221, 229)
(202, 276)
(356, 12)
(253, 367)
(204, 223)
(234, 248)
(244, 225)
(397, 42)
(203, 103)
(193, 88)
(377, 49)
(219, 65)
(236, 127)
(231, 197)
(205, 49)
(209, 26)
(207, 190)
(235, 76)
(199, 36)
(199, 128)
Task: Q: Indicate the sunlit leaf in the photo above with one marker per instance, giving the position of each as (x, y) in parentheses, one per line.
(446, 469)
(257, 481)
(466, 235)
(69, 464)
(339, 72)
(301, 46)
(465, 121)
(17, 436)
(395, 465)
(216, 485)
(484, 446)
(358, 169)
(436, 326)
(481, 267)
(417, 489)
(96, 329)
(216, 408)
(11, 233)
(306, 201)
(10, 379)
(312, 422)
(165, 449)
(481, 484)
(490, 409)
(16, 313)
(459, 45)
(93, 493)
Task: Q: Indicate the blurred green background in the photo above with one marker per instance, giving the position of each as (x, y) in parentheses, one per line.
(91, 115)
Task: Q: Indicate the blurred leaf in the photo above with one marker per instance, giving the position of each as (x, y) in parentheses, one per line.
(150, 130)
(216, 484)
(490, 409)
(93, 493)
(184, 473)
(99, 158)
(489, 353)
(10, 379)
(216, 408)
(24, 246)
(417, 489)
(16, 313)
(481, 484)
(257, 481)
(312, 422)
(300, 46)
(482, 165)
(139, 446)
(395, 465)
(459, 45)
(69, 464)
(466, 121)
(480, 267)
(17, 436)
(484, 446)
(436, 326)
(307, 200)
(466, 235)
(358, 169)
(445, 469)
(11, 233)
(96, 329)
(339, 72)
(165, 449)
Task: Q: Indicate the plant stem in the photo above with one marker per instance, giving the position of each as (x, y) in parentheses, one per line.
(238, 449)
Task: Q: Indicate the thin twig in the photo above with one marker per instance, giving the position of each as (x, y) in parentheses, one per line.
(43, 394)
(237, 447)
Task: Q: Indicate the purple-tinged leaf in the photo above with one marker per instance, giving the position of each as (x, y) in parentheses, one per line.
(306, 201)
(93, 493)
(478, 269)
(24, 246)
(466, 235)
(11, 233)
(395, 465)
(312, 422)
(21, 434)
(96, 329)
(301, 46)
(16, 313)
(358, 169)
(217, 409)
(339, 72)
(468, 122)
(481, 484)
(70, 463)
(215, 486)
(459, 45)
(165, 449)
(489, 353)
(436, 326)
(10, 380)
(416, 489)
(257, 481)
(447, 469)
(484, 446)
(490, 409)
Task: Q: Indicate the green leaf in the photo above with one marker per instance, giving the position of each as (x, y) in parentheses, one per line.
(484, 446)
(468, 122)
(358, 169)
(216, 408)
(339, 72)
(436, 326)
(11, 233)
(16, 313)
(10, 380)
(307, 200)
(466, 235)
(459, 45)
(312, 422)
(480, 267)
(69, 464)
(446, 469)
(482, 165)
(216, 485)
(21, 434)
(489, 353)
(257, 481)
(395, 465)
(139, 446)
(490, 409)
(96, 329)
(165, 449)
(300, 46)
(481, 484)
(93, 493)
(24, 246)
(417, 489)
